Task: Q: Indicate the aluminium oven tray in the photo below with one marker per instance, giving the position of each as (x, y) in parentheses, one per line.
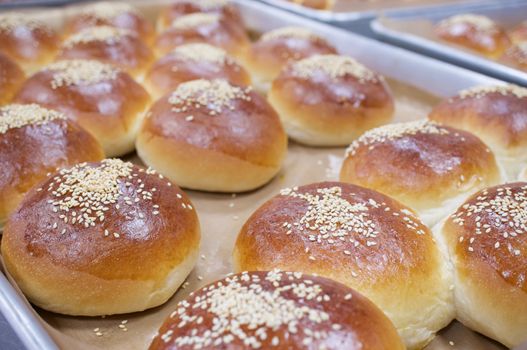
(415, 31)
(42, 330)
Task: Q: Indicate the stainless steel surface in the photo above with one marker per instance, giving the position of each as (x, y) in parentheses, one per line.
(400, 28)
(425, 73)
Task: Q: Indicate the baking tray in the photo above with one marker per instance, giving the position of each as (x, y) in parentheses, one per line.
(415, 31)
(417, 82)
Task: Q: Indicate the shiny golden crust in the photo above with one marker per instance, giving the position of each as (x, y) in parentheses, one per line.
(114, 14)
(516, 55)
(207, 28)
(289, 310)
(212, 127)
(11, 77)
(30, 150)
(329, 100)
(100, 265)
(358, 237)
(422, 164)
(110, 105)
(190, 62)
(475, 32)
(487, 241)
(116, 46)
(278, 47)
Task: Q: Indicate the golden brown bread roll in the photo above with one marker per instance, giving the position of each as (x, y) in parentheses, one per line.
(26, 40)
(103, 99)
(516, 55)
(100, 239)
(190, 62)
(114, 14)
(519, 33)
(210, 28)
(276, 48)
(497, 114)
(276, 310)
(360, 238)
(329, 100)
(33, 142)
(213, 136)
(487, 240)
(11, 77)
(116, 46)
(476, 32)
(429, 167)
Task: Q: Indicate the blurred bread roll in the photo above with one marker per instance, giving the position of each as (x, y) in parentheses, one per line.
(330, 100)
(516, 55)
(315, 4)
(519, 33)
(100, 239)
(11, 77)
(361, 238)
(103, 99)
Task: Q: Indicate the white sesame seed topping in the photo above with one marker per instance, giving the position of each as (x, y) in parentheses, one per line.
(12, 20)
(482, 23)
(195, 20)
(80, 72)
(17, 116)
(289, 32)
(106, 34)
(505, 90)
(198, 52)
(106, 10)
(334, 66)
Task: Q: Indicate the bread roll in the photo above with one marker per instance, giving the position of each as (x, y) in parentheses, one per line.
(475, 32)
(316, 4)
(11, 77)
(360, 238)
(213, 136)
(428, 167)
(516, 55)
(329, 100)
(103, 99)
(276, 310)
(487, 240)
(497, 114)
(101, 239)
(33, 142)
(210, 28)
(191, 62)
(519, 33)
(116, 46)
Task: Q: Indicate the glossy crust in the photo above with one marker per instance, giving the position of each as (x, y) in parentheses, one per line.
(11, 77)
(489, 40)
(422, 169)
(490, 260)
(173, 69)
(243, 146)
(29, 153)
(267, 57)
(220, 32)
(388, 255)
(353, 321)
(84, 272)
(111, 110)
(325, 111)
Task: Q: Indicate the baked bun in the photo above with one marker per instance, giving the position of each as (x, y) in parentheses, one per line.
(519, 33)
(276, 310)
(210, 28)
(114, 14)
(497, 114)
(11, 77)
(276, 48)
(475, 32)
(104, 100)
(487, 241)
(33, 142)
(116, 46)
(516, 55)
(213, 136)
(361, 238)
(190, 62)
(428, 167)
(26, 40)
(329, 100)
(179, 8)
(315, 4)
(101, 239)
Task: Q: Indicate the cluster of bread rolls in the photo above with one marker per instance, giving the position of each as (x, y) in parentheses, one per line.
(353, 264)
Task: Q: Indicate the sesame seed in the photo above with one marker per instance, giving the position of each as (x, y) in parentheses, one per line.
(9, 21)
(106, 10)
(505, 90)
(195, 20)
(334, 66)
(451, 343)
(199, 52)
(16, 116)
(348, 296)
(107, 34)
(80, 72)
(290, 32)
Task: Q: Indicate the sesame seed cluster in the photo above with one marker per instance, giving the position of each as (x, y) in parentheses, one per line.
(199, 52)
(194, 20)
(289, 32)
(214, 95)
(106, 34)
(80, 72)
(11, 20)
(505, 90)
(212, 4)
(481, 23)
(335, 67)
(395, 131)
(250, 309)
(519, 52)
(17, 116)
(500, 213)
(108, 10)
